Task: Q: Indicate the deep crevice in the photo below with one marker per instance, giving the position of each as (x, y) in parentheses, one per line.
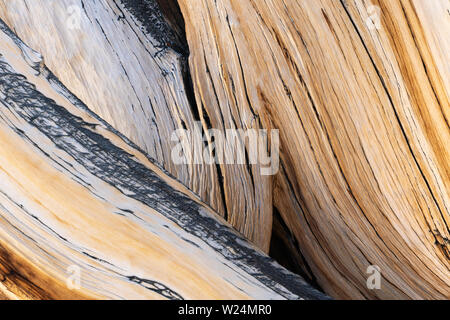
(284, 247)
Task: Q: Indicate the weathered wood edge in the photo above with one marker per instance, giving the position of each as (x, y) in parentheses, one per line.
(122, 171)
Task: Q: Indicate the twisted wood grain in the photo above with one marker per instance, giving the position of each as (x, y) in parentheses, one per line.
(363, 118)
(125, 62)
(75, 192)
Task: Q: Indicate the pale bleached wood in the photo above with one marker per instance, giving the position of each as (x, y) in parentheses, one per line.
(121, 60)
(75, 192)
(363, 117)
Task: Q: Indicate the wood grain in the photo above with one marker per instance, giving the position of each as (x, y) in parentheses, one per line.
(358, 89)
(75, 192)
(363, 117)
(130, 67)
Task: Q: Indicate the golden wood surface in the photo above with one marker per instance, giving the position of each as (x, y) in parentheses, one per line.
(77, 195)
(359, 91)
(363, 117)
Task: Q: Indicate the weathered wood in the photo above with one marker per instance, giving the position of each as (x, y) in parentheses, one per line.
(75, 192)
(363, 114)
(127, 64)
(359, 91)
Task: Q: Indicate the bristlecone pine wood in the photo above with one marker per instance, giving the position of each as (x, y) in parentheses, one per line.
(359, 91)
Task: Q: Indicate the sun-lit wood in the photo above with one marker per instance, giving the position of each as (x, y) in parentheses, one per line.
(362, 107)
(77, 199)
(130, 68)
(358, 90)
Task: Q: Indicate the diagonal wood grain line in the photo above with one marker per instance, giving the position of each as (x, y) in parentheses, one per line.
(70, 183)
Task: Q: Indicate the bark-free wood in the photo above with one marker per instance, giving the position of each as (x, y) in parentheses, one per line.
(123, 60)
(359, 90)
(75, 192)
(363, 116)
